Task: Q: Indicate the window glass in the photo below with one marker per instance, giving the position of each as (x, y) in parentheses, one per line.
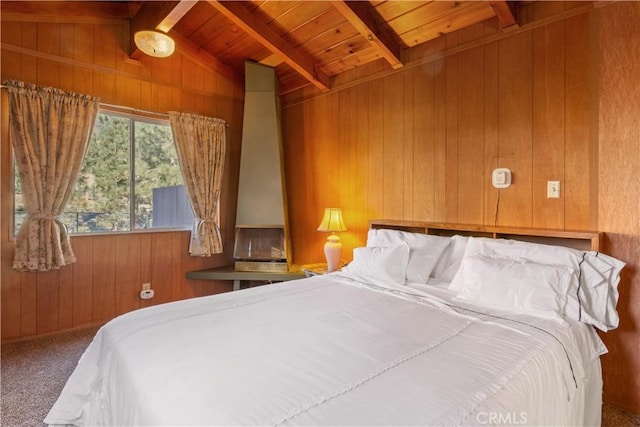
(160, 197)
(130, 180)
(100, 201)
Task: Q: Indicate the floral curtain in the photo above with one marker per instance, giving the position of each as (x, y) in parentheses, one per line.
(50, 131)
(201, 146)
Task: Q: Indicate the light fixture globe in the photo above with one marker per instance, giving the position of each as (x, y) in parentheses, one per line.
(154, 43)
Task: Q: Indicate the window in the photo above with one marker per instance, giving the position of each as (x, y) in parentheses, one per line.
(130, 179)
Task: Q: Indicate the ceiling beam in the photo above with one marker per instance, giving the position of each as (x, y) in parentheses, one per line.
(258, 30)
(175, 15)
(160, 15)
(506, 13)
(363, 18)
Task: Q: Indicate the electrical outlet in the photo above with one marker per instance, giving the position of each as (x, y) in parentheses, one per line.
(553, 189)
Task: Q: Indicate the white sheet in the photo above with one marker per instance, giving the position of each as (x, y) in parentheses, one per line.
(328, 351)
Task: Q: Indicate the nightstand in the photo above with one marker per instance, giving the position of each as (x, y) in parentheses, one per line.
(317, 269)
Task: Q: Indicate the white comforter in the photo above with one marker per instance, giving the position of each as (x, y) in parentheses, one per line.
(329, 351)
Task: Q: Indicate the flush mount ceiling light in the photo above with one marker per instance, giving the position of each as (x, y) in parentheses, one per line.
(154, 43)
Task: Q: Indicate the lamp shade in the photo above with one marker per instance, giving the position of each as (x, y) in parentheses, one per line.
(154, 43)
(332, 221)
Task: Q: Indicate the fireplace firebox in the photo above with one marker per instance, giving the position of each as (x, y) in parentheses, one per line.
(260, 248)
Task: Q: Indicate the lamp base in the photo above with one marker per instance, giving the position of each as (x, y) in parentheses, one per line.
(333, 251)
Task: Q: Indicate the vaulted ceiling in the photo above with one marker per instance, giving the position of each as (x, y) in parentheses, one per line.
(308, 42)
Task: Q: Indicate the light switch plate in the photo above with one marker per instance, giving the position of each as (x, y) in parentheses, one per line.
(553, 189)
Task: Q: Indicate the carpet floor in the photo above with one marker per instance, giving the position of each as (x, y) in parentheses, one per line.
(34, 372)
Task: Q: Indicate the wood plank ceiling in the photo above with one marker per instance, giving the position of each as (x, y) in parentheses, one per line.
(308, 42)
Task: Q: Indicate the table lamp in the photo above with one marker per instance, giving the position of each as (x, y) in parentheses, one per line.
(332, 222)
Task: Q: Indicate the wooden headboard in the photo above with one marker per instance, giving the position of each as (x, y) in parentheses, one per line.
(583, 240)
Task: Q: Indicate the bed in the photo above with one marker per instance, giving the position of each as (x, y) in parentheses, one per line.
(431, 324)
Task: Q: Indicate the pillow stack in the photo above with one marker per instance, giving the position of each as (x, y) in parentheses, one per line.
(383, 257)
(521, 277)
(543, 280)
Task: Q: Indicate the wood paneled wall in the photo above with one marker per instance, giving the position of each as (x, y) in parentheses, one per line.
(91, 58)
(619, 189)
(421, 143)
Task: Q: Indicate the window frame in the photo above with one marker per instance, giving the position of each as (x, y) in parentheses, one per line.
(134, 115)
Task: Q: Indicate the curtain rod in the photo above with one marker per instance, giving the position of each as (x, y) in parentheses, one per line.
(137, 110)
(134, 110)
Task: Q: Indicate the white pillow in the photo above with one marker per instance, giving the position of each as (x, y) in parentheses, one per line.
(613, 279)
(592, 300)
(515, 249)
(596, 301)
(518, 286)
(425, 250)
(386, 264)
(449, 262)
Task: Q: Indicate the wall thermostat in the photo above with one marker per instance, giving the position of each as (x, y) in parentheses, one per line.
(501, 178)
